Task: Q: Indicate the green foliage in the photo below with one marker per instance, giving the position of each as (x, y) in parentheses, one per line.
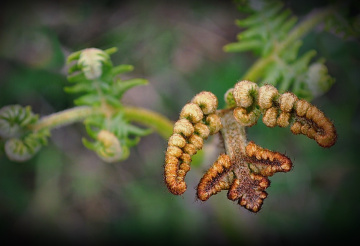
(95, 79)
(100, 90)
(269, 33)
(113, 136)
(94, 75)
(19, 142)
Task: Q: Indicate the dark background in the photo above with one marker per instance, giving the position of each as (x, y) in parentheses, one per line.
(66, 194)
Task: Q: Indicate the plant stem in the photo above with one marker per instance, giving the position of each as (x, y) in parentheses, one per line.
(63, 118)
(142, 116)
(257, 69)
(154, 120)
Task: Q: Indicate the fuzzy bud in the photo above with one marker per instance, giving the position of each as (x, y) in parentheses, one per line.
(244, 93)
(177, 140)
(190, 149)
(267, 94)
(207, 101)
(214, 123)
(283, 119)
(197, 141)
(287, 101)
(296, 128)
(174, 151)
(229, 98)
(192, 112)
(270, 117)
(184, 127)
(302, 107)
(202, 130)
(245, 118)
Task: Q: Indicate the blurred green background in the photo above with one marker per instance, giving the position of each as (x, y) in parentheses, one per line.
(67, 194)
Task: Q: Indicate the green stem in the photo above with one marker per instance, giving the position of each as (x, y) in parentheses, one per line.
(63, 118)
(143, 116)
(151, 119)
(257, 70)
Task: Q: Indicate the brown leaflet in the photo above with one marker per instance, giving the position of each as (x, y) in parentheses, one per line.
(218, 177)
(266, 162)
(249, 190)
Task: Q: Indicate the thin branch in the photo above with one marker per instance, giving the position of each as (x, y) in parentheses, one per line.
(77, 114)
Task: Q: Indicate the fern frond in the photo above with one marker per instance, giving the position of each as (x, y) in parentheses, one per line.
(271, 33)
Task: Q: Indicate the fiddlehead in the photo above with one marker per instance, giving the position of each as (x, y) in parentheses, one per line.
(108, 122)
(21, 143)
(244, 168)
(198, 120)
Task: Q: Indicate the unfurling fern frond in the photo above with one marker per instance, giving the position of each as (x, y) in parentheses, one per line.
(271, 32)
(20, 142)
(95, 77)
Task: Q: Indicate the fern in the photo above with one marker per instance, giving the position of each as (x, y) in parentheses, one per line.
(271, 33)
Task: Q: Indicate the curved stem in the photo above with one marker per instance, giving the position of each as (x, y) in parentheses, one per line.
(154, 120)
(63, 118)
(257, 69)
(142, 116)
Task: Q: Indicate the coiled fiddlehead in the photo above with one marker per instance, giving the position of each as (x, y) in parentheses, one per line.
(94, 75)
(198, 120)
(282, 110)
(21, 143)
(244, 168)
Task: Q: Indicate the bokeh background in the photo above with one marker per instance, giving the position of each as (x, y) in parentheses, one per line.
(66, 194)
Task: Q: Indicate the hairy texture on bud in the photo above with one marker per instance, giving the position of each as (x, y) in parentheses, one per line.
(244, 93)
(197, 141)
(287, 101)
(267, 95)
(188, 137)
(173, 180)
(296, 128)
(184, 127)
(192, 112)
(246, 118)
(202, 130)
(283, 119)
(215, 179)
(91, 61)
(177, 140)
(207, 101)
(214, 123)
(302, 107)
(174, 151)
(190, 149)
(229, 98)
(326, 134)
(177, 164)
(270, 117)
(245, 168)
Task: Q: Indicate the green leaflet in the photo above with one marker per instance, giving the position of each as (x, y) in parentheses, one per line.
(271, 33)
(113, 136)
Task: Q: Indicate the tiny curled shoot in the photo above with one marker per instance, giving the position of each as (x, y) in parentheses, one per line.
(244, 168)
(21, 143)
